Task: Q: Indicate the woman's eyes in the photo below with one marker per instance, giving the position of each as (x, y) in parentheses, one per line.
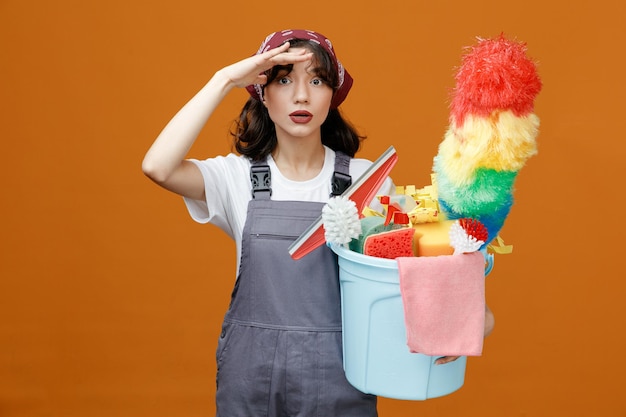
(286, 80)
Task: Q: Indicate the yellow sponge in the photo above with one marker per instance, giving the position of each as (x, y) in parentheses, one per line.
(432, 239)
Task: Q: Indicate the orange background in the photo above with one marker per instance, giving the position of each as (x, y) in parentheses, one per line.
(111, 297)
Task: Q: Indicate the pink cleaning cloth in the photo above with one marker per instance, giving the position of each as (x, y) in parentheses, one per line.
(444, 303)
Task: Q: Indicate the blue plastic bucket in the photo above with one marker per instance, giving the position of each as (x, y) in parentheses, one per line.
(376, 357)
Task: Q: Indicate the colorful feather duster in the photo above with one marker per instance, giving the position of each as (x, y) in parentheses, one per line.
(491, 134)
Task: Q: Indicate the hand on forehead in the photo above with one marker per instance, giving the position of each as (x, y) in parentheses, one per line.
(277, 39)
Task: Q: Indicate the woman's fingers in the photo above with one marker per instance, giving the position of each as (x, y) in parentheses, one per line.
(490, 321)
(282, 56)
(446, 359)
(249, 71)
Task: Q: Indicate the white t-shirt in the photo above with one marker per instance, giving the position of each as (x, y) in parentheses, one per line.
(228, 190)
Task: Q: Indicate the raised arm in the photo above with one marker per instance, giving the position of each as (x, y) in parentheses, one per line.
(165, 163)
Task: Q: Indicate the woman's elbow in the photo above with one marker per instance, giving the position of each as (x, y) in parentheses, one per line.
(153, 171)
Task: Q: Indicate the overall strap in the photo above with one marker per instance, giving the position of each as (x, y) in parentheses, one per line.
(341, 177)
(261, 179)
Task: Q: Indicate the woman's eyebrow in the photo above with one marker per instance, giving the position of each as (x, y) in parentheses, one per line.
(319, 70)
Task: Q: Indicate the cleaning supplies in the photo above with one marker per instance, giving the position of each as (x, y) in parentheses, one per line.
(362, 191)
(491, 134)
(444, 303)
(400, 220)
(467, 235)
(370, 225)
(341, 220)
(391, 244)
(432, 239)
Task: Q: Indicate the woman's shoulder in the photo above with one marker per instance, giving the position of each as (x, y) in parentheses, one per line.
(226, 172)
(356, 164)
(359, 165)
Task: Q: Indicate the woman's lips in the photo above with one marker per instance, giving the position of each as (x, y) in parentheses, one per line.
(300, 116)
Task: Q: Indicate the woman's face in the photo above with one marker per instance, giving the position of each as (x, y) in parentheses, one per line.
(298, 101)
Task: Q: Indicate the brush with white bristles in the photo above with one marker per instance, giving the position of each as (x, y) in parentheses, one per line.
(467, 235)
(341, 221)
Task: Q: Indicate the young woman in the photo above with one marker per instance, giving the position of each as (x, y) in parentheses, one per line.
(279, 353)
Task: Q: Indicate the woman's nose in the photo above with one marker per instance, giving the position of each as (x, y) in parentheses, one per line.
(301, 92)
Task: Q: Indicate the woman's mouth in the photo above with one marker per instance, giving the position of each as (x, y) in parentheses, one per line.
(300, 116)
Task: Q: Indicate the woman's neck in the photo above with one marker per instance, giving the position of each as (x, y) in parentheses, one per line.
(299, 161)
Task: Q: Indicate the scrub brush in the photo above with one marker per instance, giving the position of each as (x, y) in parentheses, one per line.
(467, 235)
(341, 221)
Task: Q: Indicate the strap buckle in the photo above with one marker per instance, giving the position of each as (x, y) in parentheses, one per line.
(261, 179)
(340, 183)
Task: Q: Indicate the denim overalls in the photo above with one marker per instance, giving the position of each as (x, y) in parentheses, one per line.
(280, 352)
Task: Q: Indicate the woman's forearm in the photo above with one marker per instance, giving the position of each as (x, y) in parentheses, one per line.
(170, 148)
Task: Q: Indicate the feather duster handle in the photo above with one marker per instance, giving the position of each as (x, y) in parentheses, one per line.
(491, 134)
(341, 221)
